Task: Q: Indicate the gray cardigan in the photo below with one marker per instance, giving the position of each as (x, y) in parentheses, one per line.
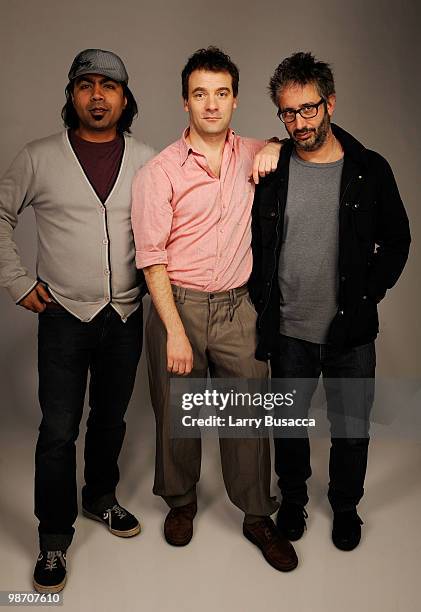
(86, 253)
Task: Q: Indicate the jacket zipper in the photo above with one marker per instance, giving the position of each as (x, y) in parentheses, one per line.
(274, 261)
(346, 189)
(340, 206)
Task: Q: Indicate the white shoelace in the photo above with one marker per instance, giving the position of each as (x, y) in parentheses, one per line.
(118, 510)
(52, 556)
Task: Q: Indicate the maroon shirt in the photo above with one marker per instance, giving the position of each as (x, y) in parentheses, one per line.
(100, 161)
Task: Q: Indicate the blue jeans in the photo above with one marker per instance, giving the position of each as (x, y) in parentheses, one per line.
(348, 455)
(67, 349)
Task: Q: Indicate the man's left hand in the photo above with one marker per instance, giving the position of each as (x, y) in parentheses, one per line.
(266, 160)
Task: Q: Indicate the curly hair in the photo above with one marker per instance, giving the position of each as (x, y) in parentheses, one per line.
(300, 69)
(212, 59)
(71, 120)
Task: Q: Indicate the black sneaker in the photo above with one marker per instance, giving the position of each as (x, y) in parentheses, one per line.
(50, 571)
(118, 520)
(346, 532)
(291, 520)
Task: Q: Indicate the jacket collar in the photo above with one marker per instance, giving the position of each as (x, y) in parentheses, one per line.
(351, 146)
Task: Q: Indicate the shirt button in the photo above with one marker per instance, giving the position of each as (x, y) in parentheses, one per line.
(273, 213)
(106, 272)
(343, 277)
(356, 205)
(364, 297)
(341, 312)
(105, 241)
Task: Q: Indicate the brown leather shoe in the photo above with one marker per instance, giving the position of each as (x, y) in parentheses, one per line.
(178, 526)
(276, 549)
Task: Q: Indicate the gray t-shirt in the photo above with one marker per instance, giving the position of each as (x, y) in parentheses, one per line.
(308, 263)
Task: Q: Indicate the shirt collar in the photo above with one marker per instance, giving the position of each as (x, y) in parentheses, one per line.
(186, 148)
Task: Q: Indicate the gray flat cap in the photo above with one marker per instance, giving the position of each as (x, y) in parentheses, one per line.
(97, 61)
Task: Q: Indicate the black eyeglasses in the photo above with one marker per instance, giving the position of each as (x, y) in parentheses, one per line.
(308, 111)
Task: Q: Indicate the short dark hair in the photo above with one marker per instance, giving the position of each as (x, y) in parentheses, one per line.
(300, 69)
(71, 120)
(212, 59)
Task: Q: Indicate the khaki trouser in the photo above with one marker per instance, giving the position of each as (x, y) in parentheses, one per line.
(221, 328)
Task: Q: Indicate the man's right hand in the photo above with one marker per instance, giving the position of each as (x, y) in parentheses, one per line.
(36, 299)
(179, 350)
(179, 354)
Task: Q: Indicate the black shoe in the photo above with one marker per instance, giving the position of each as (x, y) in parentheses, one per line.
(50, 571)
(291, 520)
(346, 532)
(118, 520)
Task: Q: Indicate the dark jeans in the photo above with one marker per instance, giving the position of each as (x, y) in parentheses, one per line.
(67, 349)
(348, 454)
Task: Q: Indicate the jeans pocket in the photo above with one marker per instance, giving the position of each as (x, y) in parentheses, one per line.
(49, 312)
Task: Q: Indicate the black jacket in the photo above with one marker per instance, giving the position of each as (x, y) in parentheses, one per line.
(374, 242)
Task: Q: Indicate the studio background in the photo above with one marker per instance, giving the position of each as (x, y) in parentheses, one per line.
(374, 50)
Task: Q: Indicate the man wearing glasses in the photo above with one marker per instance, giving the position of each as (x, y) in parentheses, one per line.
(330, 236)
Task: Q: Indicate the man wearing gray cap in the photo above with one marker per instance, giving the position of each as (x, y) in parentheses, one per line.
(87, 294)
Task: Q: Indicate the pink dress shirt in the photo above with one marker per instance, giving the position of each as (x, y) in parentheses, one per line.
(195, 223)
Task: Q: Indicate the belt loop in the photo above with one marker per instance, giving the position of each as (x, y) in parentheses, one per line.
(232, 302)
(182, 294)
(176, 293)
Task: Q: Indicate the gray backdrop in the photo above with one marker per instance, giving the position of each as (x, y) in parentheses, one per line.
(374, 52)
(371, 45)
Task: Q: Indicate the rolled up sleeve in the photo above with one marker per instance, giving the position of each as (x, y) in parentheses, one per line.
(152, 214)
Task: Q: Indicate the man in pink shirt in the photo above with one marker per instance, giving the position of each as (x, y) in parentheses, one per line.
(191, 221)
